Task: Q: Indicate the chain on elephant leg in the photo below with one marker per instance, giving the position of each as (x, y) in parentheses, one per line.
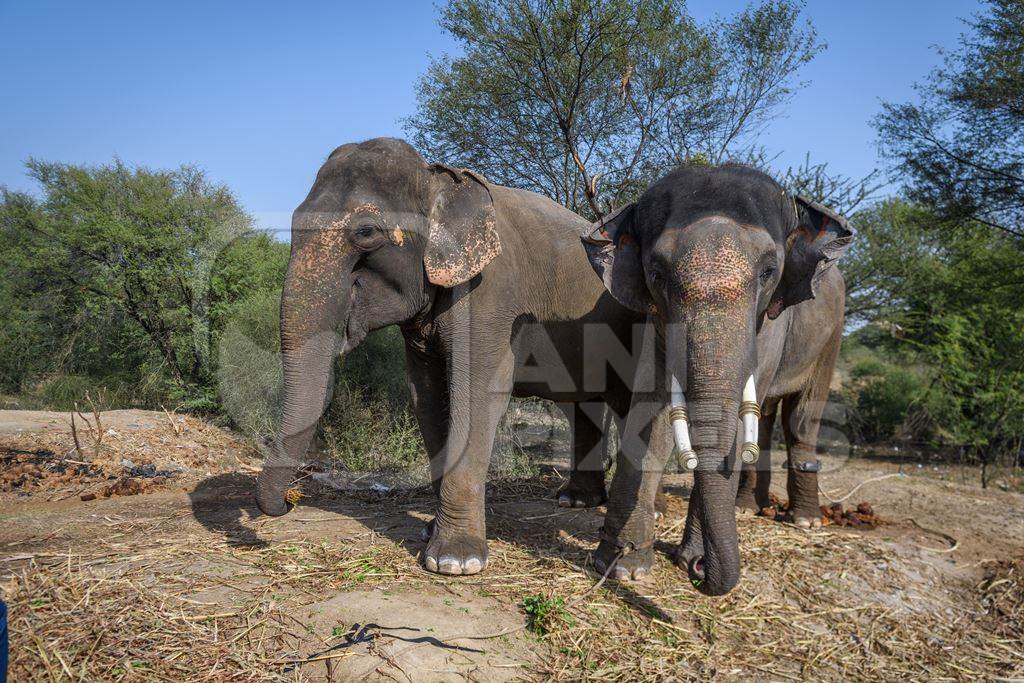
(802, 486)
(627, 537)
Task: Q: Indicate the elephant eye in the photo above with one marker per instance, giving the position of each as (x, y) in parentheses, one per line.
(767, 273)
(367, 236)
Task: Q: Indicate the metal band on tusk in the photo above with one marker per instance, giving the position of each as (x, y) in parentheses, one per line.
(750, 413)
(750, 407)
(681, 427)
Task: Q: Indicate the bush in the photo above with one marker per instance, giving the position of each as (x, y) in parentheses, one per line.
(119, 277)
(881, 396)
(370, 436)
(249, 365)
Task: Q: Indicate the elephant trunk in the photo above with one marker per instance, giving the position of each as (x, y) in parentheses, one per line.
(309, 343)
(717, 368)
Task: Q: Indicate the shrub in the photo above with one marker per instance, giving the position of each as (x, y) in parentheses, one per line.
(881, 396)
(545, 614)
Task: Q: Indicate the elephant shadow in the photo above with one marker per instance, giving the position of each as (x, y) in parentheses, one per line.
(225, 504)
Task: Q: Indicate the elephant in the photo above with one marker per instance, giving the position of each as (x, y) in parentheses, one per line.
(495, 297)
(738, 278)
(798, 351)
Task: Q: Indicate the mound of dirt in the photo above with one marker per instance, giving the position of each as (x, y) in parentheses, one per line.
(114, 453)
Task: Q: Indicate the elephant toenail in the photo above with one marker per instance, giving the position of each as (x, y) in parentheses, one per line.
(579, 503)
(620, 574)
(430, 563)
(449, 565)
(564, 501)
(472, 566)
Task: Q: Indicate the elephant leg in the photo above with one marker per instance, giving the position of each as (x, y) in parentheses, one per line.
(801, 415)
(585, 487)
(478, 395)
(428, 388)
(645, 443)
(756, 478)
(801, 421)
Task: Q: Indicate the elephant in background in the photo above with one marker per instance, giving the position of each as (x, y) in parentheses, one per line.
(494, 295)
(798, 352)
(738, 278)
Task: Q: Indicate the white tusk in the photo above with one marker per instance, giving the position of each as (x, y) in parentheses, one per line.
(750, 413)
(681, 426)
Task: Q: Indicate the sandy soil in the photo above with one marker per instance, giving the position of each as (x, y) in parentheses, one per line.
(333, 591)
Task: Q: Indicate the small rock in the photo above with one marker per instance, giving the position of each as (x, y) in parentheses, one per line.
(88, 496)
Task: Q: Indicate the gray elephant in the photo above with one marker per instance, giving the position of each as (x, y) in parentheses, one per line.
(739, 279)
(494, 296)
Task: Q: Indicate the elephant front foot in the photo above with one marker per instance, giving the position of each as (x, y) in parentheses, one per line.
(455, 553)
(748, 504)
(629, 560)
(805, 519)
(582, 492)
(804, 514)
(632, 566)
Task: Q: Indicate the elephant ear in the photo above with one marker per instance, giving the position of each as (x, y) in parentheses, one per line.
(614, 254)
(819, 239)
(462, 238)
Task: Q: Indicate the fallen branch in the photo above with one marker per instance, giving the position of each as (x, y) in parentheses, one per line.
(174, 426)
(74, 433)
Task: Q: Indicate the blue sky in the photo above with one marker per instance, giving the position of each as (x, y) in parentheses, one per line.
(258, 93)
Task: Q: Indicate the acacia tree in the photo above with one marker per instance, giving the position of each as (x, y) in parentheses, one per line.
(586, 101)
(127, 273)
(960, 149)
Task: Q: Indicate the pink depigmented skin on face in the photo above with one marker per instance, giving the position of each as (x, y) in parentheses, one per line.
(715, 273)
(312, 269)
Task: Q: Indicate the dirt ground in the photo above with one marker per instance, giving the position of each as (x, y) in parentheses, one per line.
(182, 579)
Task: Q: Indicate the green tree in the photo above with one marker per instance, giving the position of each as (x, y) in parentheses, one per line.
(949, 300)
(124, 274)
(586, 101)
(960, 149)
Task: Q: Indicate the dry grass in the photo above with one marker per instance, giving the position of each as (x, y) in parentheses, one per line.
(812, 604)
(146, 614)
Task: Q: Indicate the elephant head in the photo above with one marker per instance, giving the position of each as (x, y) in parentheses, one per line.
(378, 233)
(709, 252)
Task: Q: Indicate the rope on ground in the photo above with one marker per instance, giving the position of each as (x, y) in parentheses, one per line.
(854, 489)
(954, 543)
